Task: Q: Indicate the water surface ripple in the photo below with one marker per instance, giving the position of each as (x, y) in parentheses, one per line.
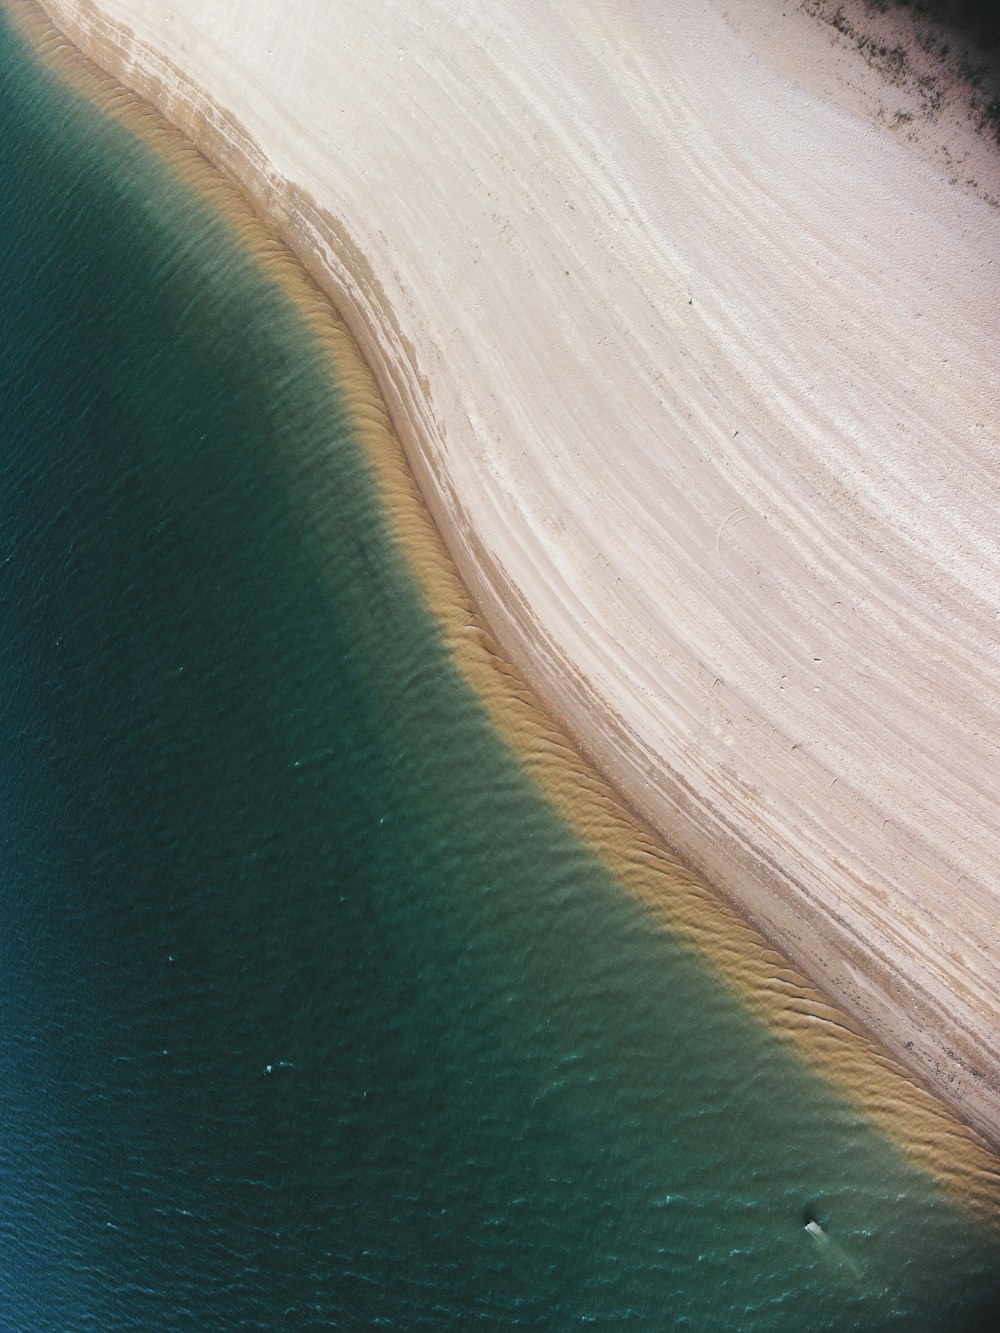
(313, 1014)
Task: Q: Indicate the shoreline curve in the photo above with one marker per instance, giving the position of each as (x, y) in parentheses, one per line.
(768, 983)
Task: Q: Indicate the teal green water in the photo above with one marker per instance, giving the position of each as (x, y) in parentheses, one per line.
(312, 1014)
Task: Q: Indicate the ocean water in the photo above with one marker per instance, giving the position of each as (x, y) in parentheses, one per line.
(312, 1013)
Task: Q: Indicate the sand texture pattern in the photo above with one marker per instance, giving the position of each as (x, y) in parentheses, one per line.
(696, 368)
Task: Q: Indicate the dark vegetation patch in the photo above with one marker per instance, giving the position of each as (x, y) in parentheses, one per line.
(958, 42)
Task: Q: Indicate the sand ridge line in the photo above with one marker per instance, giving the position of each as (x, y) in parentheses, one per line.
(793, 1009)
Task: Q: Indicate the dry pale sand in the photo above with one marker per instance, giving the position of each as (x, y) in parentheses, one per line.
(697, 369)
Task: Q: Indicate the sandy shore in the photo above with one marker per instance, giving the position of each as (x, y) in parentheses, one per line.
(696, 367)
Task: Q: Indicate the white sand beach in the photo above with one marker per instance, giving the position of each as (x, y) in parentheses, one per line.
(692, 345)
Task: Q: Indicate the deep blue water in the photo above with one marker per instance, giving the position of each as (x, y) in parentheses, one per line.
(312, 1014)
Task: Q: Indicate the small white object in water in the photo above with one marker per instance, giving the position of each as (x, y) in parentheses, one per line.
(816, 1230)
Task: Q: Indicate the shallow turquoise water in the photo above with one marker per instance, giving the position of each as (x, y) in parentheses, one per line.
(312, 1014)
